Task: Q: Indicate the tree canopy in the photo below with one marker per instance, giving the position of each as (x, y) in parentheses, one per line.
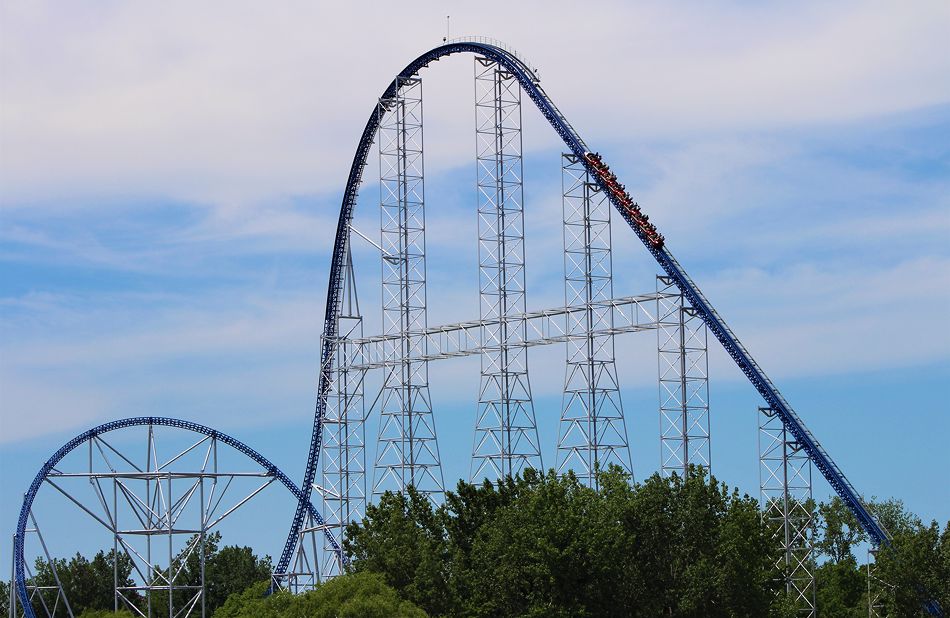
(88, 584)
(546, 545)
(358, 595)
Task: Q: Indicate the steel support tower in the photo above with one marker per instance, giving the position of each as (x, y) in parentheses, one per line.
(878, 589)
(343, 482)
(592, 433)
(506, 434)
(788, 507)
(682, 344)
(407, 452)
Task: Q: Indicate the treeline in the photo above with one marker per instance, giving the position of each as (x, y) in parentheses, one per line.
(547, 545)
(544, 545)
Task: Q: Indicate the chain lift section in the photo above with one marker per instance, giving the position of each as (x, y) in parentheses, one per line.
(788, 508)
(682, 344)
(506, 434)
(652, 240)
(592, 433)
(407, 452)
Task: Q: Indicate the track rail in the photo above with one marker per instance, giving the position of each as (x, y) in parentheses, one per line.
(530, 84)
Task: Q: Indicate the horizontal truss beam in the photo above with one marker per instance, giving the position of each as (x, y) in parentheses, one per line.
(546, 326)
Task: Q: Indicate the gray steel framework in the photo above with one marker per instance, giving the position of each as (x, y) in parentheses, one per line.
(407, 452)
(682, 344)
(628, 314)
(158, 505)
(637, 221)
(343, 480)
(592, 434)
(787, 506)
(506, 434)
(307, 569)
(878, 589)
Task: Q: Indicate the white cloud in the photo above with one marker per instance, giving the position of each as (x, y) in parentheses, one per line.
(238, 109)
(232, 103)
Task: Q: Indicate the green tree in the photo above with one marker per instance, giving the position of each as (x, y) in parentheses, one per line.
(915, 566)
(839, 530)
(404, 538)
(227, 570)
(88, 584)
(841, 588)
(356, 595)
(546, 545)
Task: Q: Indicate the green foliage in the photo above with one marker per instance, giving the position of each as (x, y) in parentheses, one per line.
(228, 570)
(358, 595)
(105, 613)
(842, 588)
(839, 530)
(917, 564)
(88, 584)
(545, 545)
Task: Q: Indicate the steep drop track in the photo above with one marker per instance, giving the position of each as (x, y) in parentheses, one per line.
(662, 254)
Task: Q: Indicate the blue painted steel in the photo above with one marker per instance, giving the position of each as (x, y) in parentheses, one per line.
(50, 464)
(663, 256)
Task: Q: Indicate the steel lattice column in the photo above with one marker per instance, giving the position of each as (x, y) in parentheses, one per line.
(592, 433)
(506, 434)
(787, 506)
(407, 452)
(682, 343)
(878, 589)
(343, 483)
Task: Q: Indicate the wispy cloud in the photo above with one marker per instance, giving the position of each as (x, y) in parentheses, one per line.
(171, 177)
(232, 103)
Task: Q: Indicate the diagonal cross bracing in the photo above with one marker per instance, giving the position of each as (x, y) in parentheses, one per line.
(343, 472)
(592, 433)
(682, 344)
(788, 508)
(407, 452)
(628, 314)
(506, 434)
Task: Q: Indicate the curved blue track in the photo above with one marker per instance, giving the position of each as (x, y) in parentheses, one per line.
(271, 469)
(663, 256)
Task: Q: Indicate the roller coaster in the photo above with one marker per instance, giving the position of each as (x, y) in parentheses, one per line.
(506, 435)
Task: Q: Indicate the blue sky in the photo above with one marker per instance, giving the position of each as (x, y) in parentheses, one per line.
(170, 180)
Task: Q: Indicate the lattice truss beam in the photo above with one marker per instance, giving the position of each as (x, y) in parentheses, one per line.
(343, 465)
(506, 434)
(787, 506)
(628, 314)
(682, 346)
(407, 451)
(158, 505)
(592, 433)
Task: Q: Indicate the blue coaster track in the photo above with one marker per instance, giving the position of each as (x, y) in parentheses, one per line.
(530, 84)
